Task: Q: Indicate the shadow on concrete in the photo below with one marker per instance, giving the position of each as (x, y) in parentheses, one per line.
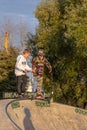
(27, 120)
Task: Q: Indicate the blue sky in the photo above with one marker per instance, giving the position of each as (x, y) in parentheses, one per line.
(19, 10)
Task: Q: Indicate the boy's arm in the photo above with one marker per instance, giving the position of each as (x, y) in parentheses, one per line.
(27, 68)
(48, 65)
(34, 63)
(33, 69)
(19, 65)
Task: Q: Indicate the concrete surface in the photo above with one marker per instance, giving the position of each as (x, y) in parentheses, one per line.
(56, 117)
(5, 123)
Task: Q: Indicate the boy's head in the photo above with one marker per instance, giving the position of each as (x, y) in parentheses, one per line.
(40, 52)
(26, 53)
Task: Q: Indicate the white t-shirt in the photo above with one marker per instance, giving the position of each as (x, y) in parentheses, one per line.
(21, 65)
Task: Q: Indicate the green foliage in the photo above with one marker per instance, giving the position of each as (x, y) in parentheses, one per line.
(7, 65)
(62, 33)
(42, 103)
(48, 14)
(15, 105)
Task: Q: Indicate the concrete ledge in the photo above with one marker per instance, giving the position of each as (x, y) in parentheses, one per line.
(56, 117)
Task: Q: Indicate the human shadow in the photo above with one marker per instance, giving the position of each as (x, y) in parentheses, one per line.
(27, 120)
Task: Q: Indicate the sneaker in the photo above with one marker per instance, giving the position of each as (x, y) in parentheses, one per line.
(39, 96)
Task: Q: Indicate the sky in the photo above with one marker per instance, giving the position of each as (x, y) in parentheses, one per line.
(19, 10)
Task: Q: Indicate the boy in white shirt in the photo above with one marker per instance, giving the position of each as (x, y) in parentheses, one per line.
(21, 68)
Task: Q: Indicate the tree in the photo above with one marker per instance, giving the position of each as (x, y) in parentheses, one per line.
(48, 14)
(62, 34)
(22, 32)
(7, 65)
(17, 33)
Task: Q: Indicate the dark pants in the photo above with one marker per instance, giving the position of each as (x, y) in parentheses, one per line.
(21, 83)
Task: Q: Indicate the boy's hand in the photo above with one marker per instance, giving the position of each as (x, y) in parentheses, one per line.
(34, 70)
(25, 71)
(50, 71)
